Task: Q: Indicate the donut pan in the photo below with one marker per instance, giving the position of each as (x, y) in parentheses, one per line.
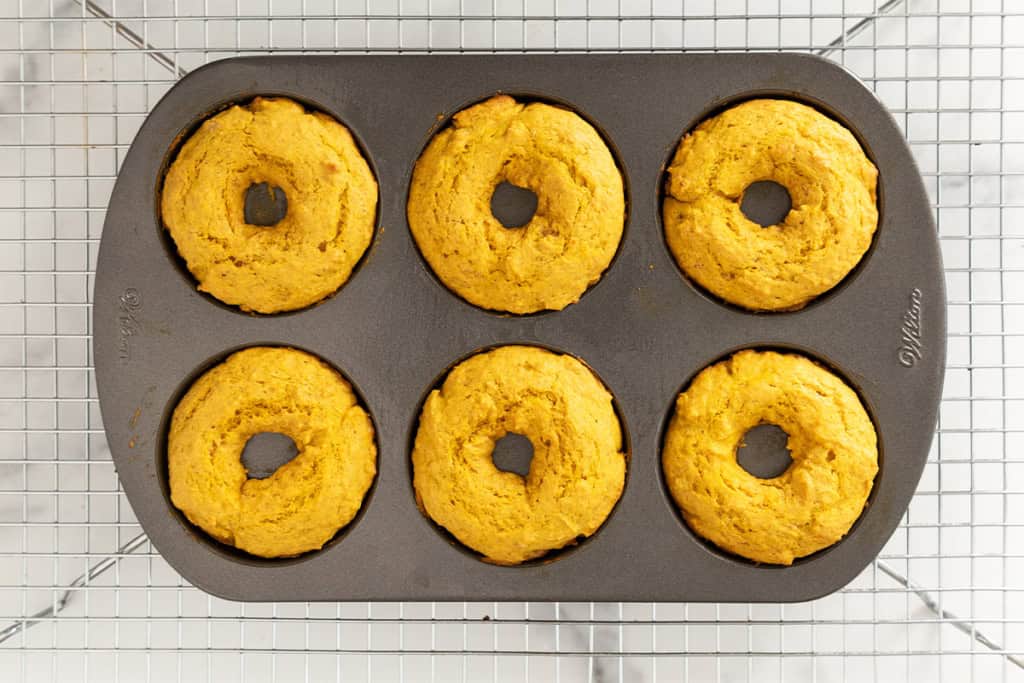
(394, 330)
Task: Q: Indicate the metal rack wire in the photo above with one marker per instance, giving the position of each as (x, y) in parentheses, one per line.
(83, 594)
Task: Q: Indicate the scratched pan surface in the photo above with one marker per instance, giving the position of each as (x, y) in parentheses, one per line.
(393, 329)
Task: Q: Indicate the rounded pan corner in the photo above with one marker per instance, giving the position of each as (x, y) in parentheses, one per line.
(827, 583)
(208, 70)
(831, 66)
(221, 585)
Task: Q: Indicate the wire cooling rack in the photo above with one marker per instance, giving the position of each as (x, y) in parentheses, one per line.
(84, 596)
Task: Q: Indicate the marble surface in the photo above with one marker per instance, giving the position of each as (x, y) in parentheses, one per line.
(69, 106)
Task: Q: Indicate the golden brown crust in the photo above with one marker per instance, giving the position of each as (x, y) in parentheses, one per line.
(332, 204)
(306, 501)
(570, 241)
(578, 467)
(832, 442)
(829, 179)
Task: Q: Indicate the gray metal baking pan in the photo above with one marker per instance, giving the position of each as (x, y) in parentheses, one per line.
(393, 329)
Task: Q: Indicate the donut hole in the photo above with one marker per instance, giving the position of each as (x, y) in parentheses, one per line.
(766, 203)
(266, 452)
(763, 451)
(512, 205)
(265, 205)
(513, 453)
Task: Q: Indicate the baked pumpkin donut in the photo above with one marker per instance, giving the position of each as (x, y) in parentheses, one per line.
(331, 205)
(831, 184)
(578, 468)
(307, 500)
(574, 233)
(832, 443)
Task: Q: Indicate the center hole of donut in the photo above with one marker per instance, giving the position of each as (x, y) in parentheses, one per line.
(266, 452)
(512, 205)
(763, 452)
(513, 453)
(265, 205)
(766, 203)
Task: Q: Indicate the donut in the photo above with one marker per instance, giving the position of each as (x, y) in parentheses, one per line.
(574, 233)
(831, 184)
(304, 503)
(808, 507)
(578, 468)
(331, 205)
